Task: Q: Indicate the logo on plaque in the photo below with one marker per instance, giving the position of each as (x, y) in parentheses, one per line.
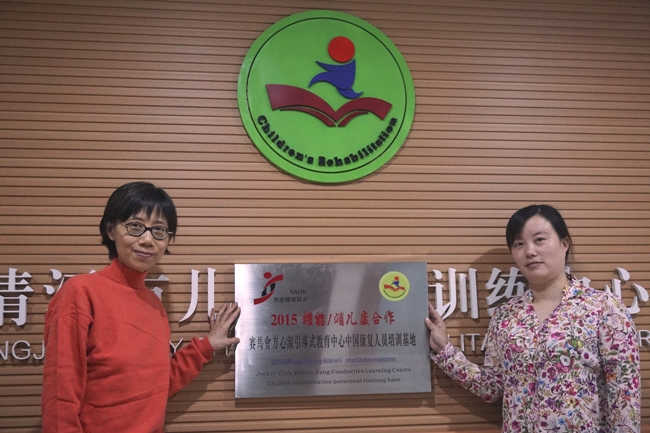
(326, 96)
(394, 286)
(269, 287)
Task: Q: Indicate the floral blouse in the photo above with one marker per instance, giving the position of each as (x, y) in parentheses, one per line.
(578, 371)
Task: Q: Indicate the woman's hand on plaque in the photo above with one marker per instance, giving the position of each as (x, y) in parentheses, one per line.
(222, 325)
(438, 336)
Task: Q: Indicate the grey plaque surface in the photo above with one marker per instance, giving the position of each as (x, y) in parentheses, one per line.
(331, 328)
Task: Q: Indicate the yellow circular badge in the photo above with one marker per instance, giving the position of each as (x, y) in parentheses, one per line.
(394, 286)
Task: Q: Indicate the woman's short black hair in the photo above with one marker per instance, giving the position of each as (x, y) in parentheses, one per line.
(549, 213)
(131, 199)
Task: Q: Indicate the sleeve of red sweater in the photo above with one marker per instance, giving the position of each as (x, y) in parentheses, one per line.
(187, 363)
(67, 324)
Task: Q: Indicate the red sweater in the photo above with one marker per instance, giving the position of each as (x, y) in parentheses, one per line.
(107, 363)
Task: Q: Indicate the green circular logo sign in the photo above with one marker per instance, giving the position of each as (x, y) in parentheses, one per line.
(394, 286)
(326, 96)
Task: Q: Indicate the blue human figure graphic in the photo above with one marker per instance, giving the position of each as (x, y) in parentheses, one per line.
(342, 75)
(339, 76)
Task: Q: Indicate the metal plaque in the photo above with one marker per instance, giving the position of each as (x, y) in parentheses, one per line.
(331, 328)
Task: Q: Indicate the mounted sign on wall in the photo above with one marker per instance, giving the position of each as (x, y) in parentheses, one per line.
(326, 96)
(331, 329)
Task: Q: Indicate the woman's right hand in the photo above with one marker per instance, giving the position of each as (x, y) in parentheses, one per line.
(438, 336)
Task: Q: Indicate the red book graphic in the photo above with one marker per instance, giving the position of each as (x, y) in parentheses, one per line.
(285, 97)
(394, 289)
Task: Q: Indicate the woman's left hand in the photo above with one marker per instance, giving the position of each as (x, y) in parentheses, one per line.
(220, 325)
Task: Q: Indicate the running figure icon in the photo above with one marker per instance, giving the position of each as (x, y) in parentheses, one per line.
(342, 75)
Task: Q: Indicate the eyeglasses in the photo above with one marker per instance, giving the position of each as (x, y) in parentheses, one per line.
(135, 228)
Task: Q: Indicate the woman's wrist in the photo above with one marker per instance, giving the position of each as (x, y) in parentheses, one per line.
(435, 352)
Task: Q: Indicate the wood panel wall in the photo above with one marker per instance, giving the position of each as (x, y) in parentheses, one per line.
(518, 102)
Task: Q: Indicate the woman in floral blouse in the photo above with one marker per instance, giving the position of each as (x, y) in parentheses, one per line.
(563, 356)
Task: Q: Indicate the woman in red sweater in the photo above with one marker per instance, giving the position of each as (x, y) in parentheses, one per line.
(108, 366)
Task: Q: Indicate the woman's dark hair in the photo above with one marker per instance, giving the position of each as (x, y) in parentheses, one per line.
(131, 199)
(549, 213)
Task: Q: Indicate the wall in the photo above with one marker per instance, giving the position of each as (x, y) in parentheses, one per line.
(517, 102)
